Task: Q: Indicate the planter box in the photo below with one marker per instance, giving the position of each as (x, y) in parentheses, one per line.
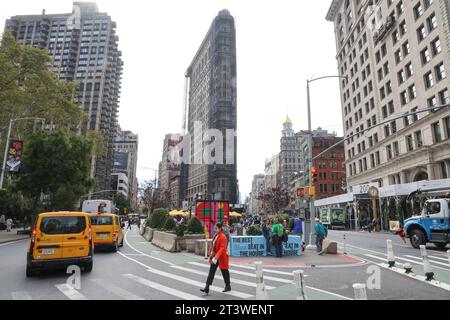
(191, 240)
(200, 247)
(148, 234)
(165, 241)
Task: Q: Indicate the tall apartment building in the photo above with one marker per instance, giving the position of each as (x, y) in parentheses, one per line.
(212, 102)
(396, 55)
(127, 143)
(84, 47)
(168, 168)
(290, 154)
(272, 172)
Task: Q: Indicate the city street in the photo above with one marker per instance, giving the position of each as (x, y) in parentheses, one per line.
(142, 271)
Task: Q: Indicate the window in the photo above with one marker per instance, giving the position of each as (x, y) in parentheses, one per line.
(389, 152)
(401, 77)
(447, 126)
(436, 46)
(403, 98)
(393, 127)
(418, 11)
(409, 143)
(409, 70)
(444, 172)
(428, 3)
(428, 77)
(384, 110)
(412, 92)
(432, 22)
(396, 149)
(432, 102)
(436, 128)
(395, 37)
(398, 56)
(425, 55)
(391, 107)
(421, 33)
(440, 72)
(386, 68)
(444, 97)
(406, 49)
(403, 28)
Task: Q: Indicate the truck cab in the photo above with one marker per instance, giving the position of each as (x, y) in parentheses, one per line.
(432, 226)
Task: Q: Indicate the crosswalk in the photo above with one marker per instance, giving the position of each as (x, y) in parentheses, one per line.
(173, 281)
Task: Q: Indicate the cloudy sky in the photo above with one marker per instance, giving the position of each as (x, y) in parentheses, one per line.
(280, 44)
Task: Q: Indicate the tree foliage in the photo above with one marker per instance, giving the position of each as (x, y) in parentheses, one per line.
(121, 202)
(58, 166)
(274, 200)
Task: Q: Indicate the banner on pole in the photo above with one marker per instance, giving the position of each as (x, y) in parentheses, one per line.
(212, 212)
(14, 157)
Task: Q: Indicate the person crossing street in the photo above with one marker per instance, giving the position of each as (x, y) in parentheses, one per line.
(218, 258)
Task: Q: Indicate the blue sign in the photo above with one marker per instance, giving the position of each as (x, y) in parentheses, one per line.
(248, 246)
(292, 248)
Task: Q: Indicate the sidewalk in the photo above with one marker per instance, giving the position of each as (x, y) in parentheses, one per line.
(12, 236)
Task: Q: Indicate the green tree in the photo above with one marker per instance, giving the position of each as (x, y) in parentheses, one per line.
(122, 202)
(56, 165)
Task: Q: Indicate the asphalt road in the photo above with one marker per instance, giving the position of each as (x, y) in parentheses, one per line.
(142, 271)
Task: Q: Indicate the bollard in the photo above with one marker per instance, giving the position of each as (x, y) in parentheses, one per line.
(426, 264)
(448, 254)
(345, 247)
(261, 292)
(408, 268)
(299, 284)
(360, 291)
(390, 254)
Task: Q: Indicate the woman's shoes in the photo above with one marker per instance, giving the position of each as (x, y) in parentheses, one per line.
(227, 289)
(205, 291)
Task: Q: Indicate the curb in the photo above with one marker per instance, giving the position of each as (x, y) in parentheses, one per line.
(15, 240)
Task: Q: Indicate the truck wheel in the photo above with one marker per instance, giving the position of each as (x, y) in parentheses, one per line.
(440, 245)
(417, 238)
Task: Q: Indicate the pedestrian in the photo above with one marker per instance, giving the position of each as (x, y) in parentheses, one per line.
(277, 238)
(2, 222)
(9, 225)
(218, 258)
(369, 225)
(321, 234)
(240, 229)
(266, 234)
(130, 223)
(297, 227)
(138, 223)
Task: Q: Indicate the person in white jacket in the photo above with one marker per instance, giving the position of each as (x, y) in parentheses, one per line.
(8, 225)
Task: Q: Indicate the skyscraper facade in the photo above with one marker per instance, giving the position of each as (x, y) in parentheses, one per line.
(84, 47)
(212, 104)
(396, 56)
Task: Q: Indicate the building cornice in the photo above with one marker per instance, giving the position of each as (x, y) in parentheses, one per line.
(335, 5)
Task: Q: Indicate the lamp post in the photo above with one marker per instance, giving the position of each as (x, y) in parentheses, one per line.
(311, 245)
(11, 121)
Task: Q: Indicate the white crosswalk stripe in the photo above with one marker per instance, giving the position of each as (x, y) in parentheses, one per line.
(70, 292)
(21, 295)
(441, 258)
(233, 281)
(432, 261)
(411, 259)
(198, 283)
(157, 286)
(264, 270)
(116, 290)
(246, 273)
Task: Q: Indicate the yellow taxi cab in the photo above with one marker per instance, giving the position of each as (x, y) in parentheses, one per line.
(60, 239)
(107, 231)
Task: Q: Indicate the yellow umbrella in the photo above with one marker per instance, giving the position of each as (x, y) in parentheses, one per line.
(175, 213)
(235, 214)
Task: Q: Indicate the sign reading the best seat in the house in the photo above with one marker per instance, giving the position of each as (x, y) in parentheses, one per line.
(248, 246)
(292, 248)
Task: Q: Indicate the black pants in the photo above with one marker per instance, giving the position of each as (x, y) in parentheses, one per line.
(212, 273)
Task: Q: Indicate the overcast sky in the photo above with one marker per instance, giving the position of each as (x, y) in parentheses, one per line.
(280, 44)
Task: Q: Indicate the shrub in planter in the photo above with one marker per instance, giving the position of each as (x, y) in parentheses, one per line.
(180, 230)
(158, 219)
(169, 224)
(254, 231)
(195, 226)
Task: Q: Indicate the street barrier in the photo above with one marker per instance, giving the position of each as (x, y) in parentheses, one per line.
(261, 292)
(390, 254)
(360, 291)
(345, 246)
(426, 264)
(148, 234)
(299, 284)
(408, 268)
(166, 241)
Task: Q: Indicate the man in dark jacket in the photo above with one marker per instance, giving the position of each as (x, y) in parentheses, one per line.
(266, 233)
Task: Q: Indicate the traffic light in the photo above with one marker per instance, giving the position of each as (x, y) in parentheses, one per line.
(314, 172)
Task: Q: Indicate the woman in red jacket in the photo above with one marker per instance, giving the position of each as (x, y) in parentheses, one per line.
(218, 257)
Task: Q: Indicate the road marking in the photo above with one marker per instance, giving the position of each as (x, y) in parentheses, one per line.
(439, 258)
(329, 293)
(147, 255)
(237, 281)
(21, 295)
(157, 286)
(198, 284)
(405, 259)
(13, 242)
(116, 290)
(134, 254)
(69, 292)
(436, 262)
(253, 275)
(265, 270)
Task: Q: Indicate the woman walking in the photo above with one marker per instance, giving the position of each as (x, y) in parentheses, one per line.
(218, 258)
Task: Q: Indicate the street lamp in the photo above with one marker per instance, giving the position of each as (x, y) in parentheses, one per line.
(11, 121)
(311, 245)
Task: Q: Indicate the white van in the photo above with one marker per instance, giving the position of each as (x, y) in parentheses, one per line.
(98, 206)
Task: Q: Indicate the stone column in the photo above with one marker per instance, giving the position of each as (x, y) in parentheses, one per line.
(403, 179)
(430, 169)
